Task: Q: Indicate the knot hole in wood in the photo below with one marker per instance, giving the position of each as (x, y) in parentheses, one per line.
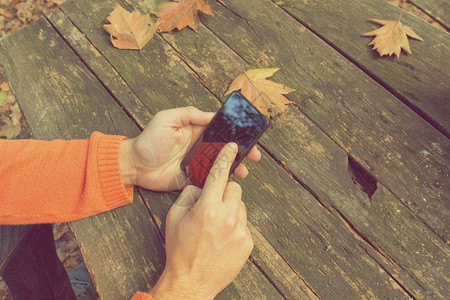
(361, 177)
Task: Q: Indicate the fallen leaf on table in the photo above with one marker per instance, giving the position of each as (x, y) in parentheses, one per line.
(266, 95)
(58, 2)
(391, 38)
(182, 13)
(129, 30)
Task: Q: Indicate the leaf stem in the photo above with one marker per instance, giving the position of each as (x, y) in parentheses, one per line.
(401, 11)
(144, 55)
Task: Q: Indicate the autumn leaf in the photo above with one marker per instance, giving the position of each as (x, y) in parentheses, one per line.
(182, 13)
(391, 38)
(266, 95)
(129, 30)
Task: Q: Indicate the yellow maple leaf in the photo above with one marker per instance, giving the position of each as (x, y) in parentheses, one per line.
(266, 95)
(391, 38)
(129, 30)
(181, 13)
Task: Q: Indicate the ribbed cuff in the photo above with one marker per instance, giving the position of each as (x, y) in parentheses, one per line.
(114, 191)
(142, 296)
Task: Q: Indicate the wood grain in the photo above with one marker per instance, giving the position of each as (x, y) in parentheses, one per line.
(420, 79)
(385, 214)
(333, 231)
(61, 99)
(96, 38)
(439, 9)
(110, 79)
(123, 256)
(361, 116)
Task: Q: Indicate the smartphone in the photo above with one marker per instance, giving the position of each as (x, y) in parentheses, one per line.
(239, 121)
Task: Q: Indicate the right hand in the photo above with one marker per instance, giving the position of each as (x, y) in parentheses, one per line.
(207, 243)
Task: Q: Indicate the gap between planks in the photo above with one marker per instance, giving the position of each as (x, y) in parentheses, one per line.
(132, 117)
(141, 127)
(312, 121)
(130, 114)
(391, 90)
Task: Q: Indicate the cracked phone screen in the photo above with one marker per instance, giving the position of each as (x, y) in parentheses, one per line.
(237, 121)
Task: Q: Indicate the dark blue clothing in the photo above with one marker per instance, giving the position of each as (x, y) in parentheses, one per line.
(29, 264)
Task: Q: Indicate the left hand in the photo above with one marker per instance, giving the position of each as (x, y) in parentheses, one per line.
(152, 160)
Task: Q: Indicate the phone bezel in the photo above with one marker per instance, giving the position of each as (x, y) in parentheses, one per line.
(184, 164)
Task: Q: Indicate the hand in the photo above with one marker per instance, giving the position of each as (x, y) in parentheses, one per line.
(152, 160)
(207, 243)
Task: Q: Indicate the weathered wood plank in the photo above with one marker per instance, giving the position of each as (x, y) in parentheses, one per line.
(61, 99)
(264, 255)
(160, 203)
(358, 114)
(315, 243)
(251, 283)
(439, 9)
(108, 76)
(96, 37)
(420, 79)
(214, 64)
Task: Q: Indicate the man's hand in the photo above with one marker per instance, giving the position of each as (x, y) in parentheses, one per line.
(152, 160)
(207, 243)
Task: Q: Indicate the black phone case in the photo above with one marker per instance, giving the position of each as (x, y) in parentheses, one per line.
(192, 152)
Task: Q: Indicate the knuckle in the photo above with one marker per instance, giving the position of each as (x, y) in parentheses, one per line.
(241, 233)
(169, 216)
(243, 211)
(230, 223)
(243, 206)
(160, 114)
(191, 109)
(234, 187)
(209, 215)
(250, 244)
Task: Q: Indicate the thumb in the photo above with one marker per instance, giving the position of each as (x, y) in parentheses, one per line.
(184, 203)
(193, 116)
(188, 197)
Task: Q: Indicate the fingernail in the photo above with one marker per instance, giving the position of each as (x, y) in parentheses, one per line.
(233, 147)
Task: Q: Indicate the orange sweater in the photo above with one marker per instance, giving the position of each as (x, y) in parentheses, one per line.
(61, 181)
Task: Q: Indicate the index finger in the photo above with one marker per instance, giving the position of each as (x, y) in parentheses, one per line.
(218, 175)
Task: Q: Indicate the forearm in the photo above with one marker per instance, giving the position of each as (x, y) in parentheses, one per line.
(127, 166)
(46, 182)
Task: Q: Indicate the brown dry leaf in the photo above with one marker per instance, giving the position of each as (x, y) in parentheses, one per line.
(266, 95)
(4, 13)
(182, 13)
(129, 30)
(4, 86)
(59, 229)
(391, 38)
(7, 102)
(7, 128)
(58, 2)
(16, 114)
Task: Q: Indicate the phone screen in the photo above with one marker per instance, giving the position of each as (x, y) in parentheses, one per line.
(237, 121)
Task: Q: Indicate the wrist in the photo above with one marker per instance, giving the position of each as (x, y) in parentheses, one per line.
(127, 166)
(169, 287)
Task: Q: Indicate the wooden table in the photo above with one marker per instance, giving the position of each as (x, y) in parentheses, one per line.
(350, 199)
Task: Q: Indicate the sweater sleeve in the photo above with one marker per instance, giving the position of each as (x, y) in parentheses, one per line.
(60, 181)
(142, 296)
